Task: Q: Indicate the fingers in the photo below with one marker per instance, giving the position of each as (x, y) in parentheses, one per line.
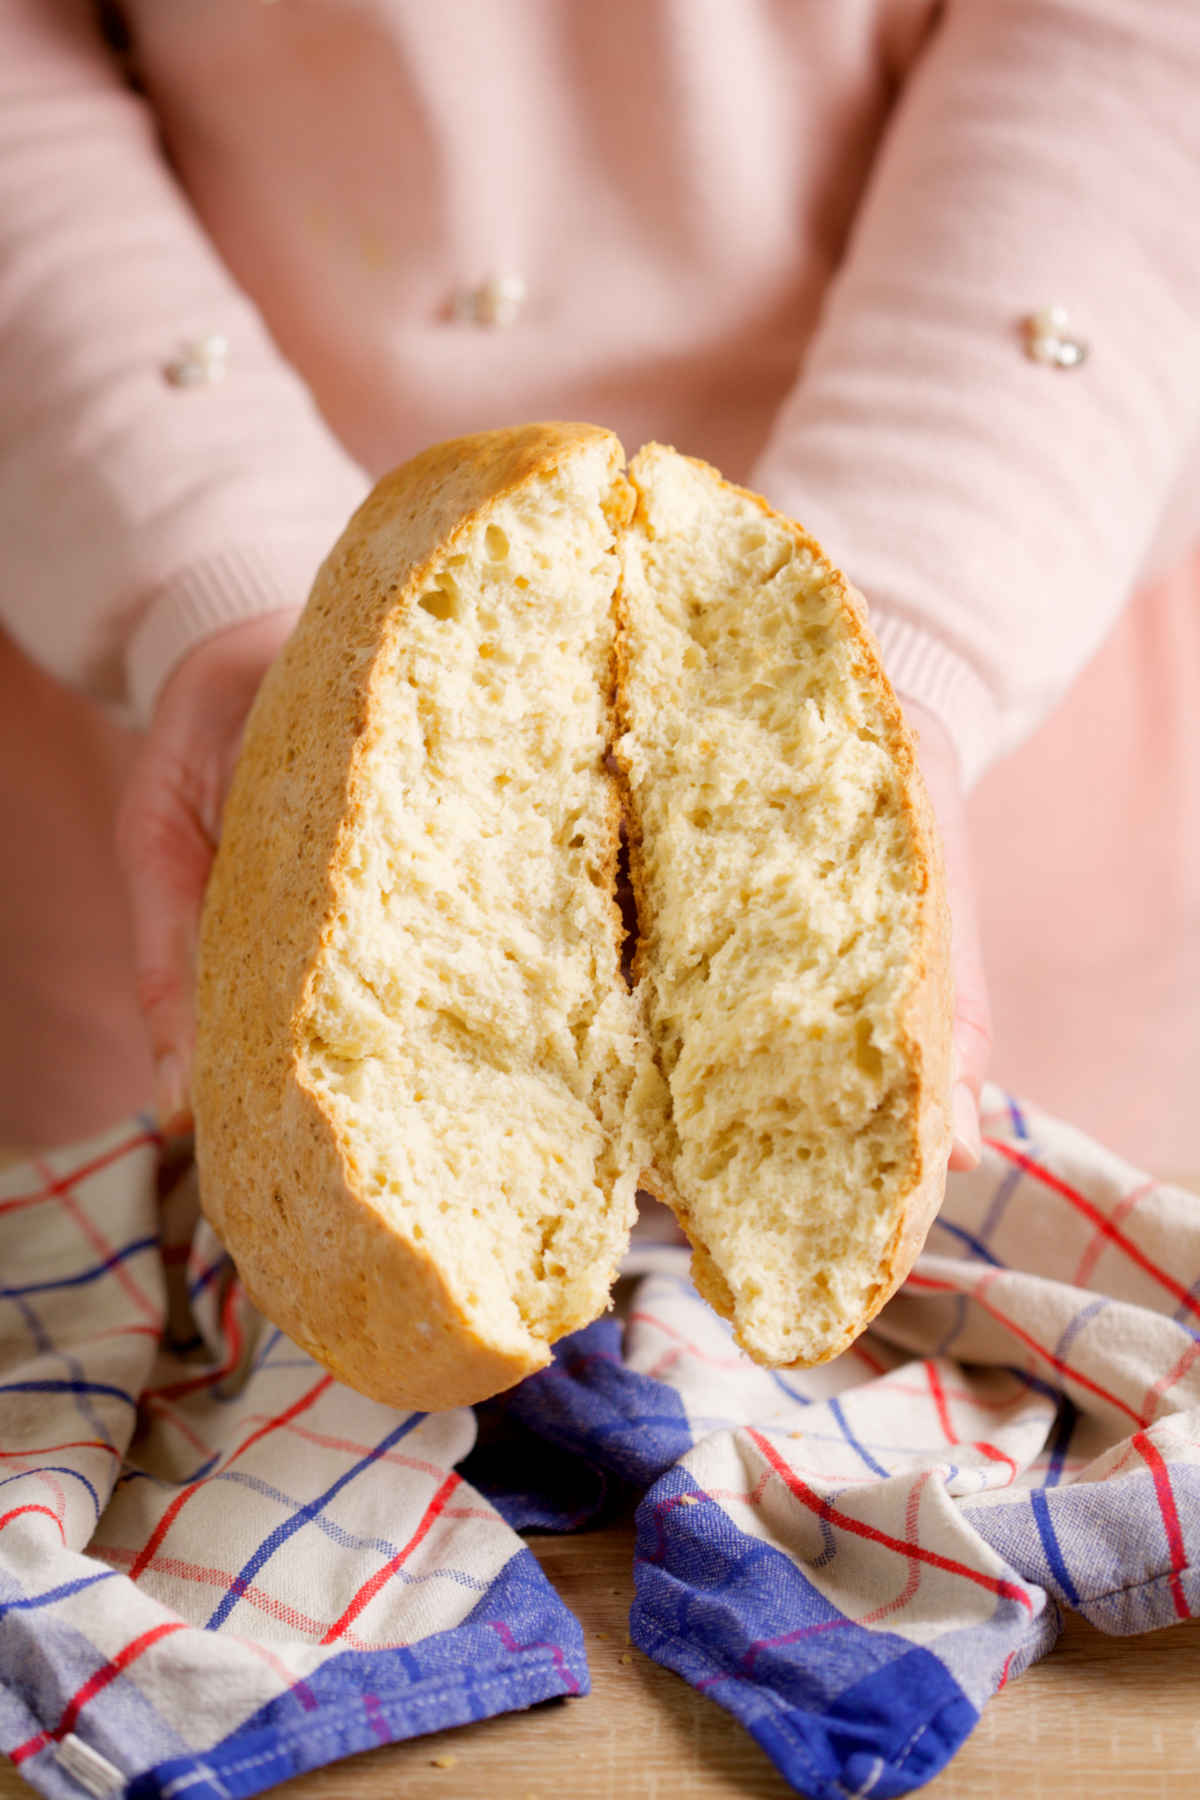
(972, 1019)
(967, 1147)
(167, 829)
(165, 854)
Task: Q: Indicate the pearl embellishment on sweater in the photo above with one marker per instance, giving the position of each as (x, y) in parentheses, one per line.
(495, 302)
(199, 363)
(1049, 340)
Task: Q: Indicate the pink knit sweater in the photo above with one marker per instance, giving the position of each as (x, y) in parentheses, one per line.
(796, 237)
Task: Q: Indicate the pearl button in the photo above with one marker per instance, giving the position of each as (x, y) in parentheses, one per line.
(1069, 351)
(495, 302)
(199, 363)
(1049, 340)
(1049, 321)
(1042, 348)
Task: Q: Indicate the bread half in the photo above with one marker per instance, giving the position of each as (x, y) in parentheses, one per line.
(424, 1093)
(793, 962)
(415, 1049)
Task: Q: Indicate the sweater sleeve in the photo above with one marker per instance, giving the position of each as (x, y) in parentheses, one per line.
(997, 510)
(137, 516)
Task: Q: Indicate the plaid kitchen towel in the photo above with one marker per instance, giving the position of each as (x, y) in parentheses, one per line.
(219, 1568)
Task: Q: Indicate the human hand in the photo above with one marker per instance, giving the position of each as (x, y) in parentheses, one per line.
(938, 759)
(168, 823)
(169, 820)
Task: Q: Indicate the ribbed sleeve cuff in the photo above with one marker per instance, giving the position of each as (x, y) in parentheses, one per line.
(924, 668)
(207, 597)
(243, 583)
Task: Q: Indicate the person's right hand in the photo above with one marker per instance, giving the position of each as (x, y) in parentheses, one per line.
(168, 824)
(939, 764)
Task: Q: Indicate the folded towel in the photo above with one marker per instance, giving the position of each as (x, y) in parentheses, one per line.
(219, 1568)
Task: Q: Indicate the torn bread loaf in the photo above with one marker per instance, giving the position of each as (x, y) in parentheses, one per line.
(794, 942)
(415, 1049)
(424, 1095)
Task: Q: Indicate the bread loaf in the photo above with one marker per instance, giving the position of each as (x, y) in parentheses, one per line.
(424, 1094)
(794, 940)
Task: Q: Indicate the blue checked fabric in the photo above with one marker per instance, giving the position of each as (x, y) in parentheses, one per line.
(218, 1568)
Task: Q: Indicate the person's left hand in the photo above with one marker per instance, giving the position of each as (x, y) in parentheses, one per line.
(168, 823)
(938, 759)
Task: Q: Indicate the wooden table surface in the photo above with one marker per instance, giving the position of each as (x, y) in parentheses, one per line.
(1099, 1719)
(1105, 1718)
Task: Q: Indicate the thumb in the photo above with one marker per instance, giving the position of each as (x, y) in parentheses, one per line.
(167, 828)
(166, 854)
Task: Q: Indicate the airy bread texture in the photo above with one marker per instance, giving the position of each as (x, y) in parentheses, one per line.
(415, 1047)
(793, 936)
(424, 1094)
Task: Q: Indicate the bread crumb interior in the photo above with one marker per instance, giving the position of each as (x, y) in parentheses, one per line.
(775, 880)
(466, 1023)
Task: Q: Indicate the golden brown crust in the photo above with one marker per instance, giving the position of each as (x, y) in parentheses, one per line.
(314, 1254)
(929, 1007)
(318, 1259)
